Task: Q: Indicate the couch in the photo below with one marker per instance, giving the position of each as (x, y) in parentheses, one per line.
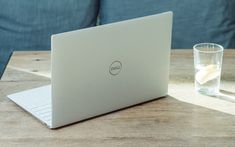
(28, 24)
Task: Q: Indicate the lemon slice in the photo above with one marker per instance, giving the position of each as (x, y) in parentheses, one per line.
(207, 73)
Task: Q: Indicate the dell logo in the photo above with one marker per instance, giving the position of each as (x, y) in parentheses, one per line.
(115, 68)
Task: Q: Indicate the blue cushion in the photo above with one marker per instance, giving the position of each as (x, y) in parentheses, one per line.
(194, 21)
(28, 24)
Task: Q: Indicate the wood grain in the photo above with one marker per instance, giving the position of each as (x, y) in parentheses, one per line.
(177, 120)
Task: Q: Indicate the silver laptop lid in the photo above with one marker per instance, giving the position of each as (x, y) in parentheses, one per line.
(109, 67)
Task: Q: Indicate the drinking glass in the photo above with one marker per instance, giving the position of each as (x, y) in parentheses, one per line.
(208, 63)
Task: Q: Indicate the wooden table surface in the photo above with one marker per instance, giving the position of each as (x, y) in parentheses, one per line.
(183, 118)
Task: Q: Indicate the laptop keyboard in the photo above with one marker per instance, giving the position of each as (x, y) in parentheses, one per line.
(43, 111)
(37, 102)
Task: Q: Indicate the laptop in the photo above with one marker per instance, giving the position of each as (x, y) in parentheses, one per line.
(102, 69)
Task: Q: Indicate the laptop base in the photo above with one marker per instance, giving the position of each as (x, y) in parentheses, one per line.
(37, 102)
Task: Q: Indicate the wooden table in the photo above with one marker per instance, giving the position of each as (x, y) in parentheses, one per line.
(183, 118)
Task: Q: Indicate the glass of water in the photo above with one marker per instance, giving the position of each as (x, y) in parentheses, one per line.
(207, 63)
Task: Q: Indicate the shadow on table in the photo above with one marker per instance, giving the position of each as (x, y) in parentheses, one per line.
(226, 95)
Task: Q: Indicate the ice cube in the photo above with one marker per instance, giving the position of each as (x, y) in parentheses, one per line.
(207, 73)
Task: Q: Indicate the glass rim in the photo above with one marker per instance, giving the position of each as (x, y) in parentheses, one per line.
(219, 47)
